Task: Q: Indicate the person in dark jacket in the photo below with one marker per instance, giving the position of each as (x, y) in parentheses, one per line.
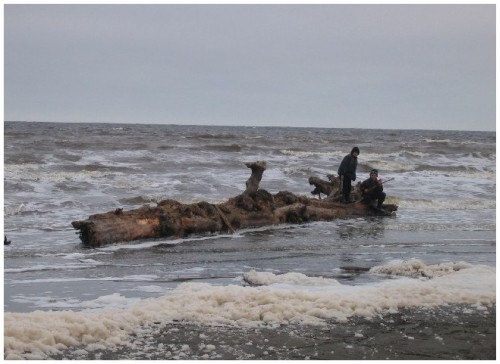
(372, 190)
(347, 172)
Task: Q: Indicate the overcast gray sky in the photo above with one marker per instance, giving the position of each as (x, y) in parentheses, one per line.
(360, 66)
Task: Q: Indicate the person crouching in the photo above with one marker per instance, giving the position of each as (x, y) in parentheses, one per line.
(372, 190)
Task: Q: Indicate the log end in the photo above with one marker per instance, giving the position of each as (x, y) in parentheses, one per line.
(86, 232)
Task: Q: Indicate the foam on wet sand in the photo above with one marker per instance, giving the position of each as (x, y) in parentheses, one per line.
(289, 300)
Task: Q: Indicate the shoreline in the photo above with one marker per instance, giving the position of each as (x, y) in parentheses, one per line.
(465, 332)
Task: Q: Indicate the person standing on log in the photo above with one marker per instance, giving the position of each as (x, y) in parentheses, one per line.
(372, 190)
(347, 173)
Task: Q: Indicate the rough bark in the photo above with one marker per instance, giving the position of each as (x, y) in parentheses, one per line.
(253, 208)
(253, 182)
(330, 188)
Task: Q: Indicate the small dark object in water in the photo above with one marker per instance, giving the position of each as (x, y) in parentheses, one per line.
(355, 269)
(5, 241)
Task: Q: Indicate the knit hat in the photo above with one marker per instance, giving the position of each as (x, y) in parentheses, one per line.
(355, 149)
(374, 171)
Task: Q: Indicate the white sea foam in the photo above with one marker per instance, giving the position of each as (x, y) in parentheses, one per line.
(416, 268)
(444, 204)
(37, 334)
(268, 278)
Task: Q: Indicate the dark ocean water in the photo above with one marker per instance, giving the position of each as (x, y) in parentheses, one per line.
(54, 173)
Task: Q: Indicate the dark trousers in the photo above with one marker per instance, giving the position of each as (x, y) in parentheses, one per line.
(374, 196)
(346, 188)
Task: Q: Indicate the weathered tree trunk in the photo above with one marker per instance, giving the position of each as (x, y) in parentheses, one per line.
(255, 207)
(253, 182)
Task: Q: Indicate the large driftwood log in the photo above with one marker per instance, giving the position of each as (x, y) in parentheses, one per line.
(253, 208)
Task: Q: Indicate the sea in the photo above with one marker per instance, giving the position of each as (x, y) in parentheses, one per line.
(440, 248)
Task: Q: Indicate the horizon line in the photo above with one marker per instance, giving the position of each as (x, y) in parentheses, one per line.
(232, 125)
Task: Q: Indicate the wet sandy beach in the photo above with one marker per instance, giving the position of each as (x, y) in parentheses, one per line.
(449, 333)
